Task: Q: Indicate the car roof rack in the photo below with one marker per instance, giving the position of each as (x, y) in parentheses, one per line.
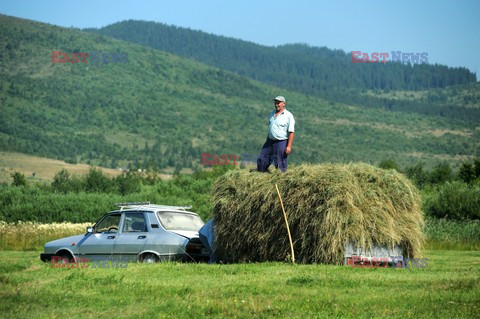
(131, 204)
(171, 207)
(139, 205)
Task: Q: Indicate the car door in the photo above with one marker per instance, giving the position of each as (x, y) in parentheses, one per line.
(99, 244)
(132, 237)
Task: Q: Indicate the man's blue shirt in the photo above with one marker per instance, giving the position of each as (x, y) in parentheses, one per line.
(279, 127)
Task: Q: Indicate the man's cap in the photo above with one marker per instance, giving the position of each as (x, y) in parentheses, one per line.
(279, 98)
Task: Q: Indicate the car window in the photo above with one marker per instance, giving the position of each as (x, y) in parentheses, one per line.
(180, 221)
(134, 222)
(109, 224)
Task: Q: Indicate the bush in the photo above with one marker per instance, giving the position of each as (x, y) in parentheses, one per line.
(128, 183)
(441, 173)
(417, 174)
(476, 163)
(470, 171)
(388, 164)
(62, 182)
(467, 172)
(454, 200)
(33, 204)
(18, 179)
(96, 182)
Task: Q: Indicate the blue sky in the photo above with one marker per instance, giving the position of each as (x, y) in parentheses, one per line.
(447, 30)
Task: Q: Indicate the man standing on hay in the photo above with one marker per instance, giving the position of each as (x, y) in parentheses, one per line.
(281, 127)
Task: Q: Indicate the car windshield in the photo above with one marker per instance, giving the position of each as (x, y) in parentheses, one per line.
(180, 221)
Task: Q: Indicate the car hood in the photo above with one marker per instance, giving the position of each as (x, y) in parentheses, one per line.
(186, 233)
(65, 242)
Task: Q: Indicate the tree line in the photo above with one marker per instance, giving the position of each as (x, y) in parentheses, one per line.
(300, 67)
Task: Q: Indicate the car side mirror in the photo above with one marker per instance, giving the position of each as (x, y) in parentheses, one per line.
(89, 229)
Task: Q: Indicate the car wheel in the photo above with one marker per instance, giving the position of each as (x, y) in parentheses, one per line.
(149, 259)
(65, 255)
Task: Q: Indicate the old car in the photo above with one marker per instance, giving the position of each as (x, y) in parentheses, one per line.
(140, 232)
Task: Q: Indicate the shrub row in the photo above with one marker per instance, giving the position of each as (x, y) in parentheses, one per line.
(452, 200)
(47, 204)
(468, 172)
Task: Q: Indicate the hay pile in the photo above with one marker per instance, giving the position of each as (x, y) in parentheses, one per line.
(327, 205)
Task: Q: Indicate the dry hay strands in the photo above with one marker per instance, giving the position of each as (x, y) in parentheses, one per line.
(327, 205)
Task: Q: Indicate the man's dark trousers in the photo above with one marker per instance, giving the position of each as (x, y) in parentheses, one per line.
(273, 151)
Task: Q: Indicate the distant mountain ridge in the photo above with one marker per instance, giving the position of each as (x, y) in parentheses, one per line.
(299, 67)
(317, 71)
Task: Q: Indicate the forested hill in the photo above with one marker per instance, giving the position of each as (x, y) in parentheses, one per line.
(310, 70)
(141, 107)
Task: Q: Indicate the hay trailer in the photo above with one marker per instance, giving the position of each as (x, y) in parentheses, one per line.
(336, 213)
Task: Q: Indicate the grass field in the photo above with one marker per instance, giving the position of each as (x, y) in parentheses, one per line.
(32, 236)
(449, 287)
(38, 169)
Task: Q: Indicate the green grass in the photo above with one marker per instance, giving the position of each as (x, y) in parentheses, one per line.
(450, 234)
(449, 287)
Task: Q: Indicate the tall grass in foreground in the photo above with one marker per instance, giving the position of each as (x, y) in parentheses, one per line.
(449, 234)
(32, 236)
(440, 234)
